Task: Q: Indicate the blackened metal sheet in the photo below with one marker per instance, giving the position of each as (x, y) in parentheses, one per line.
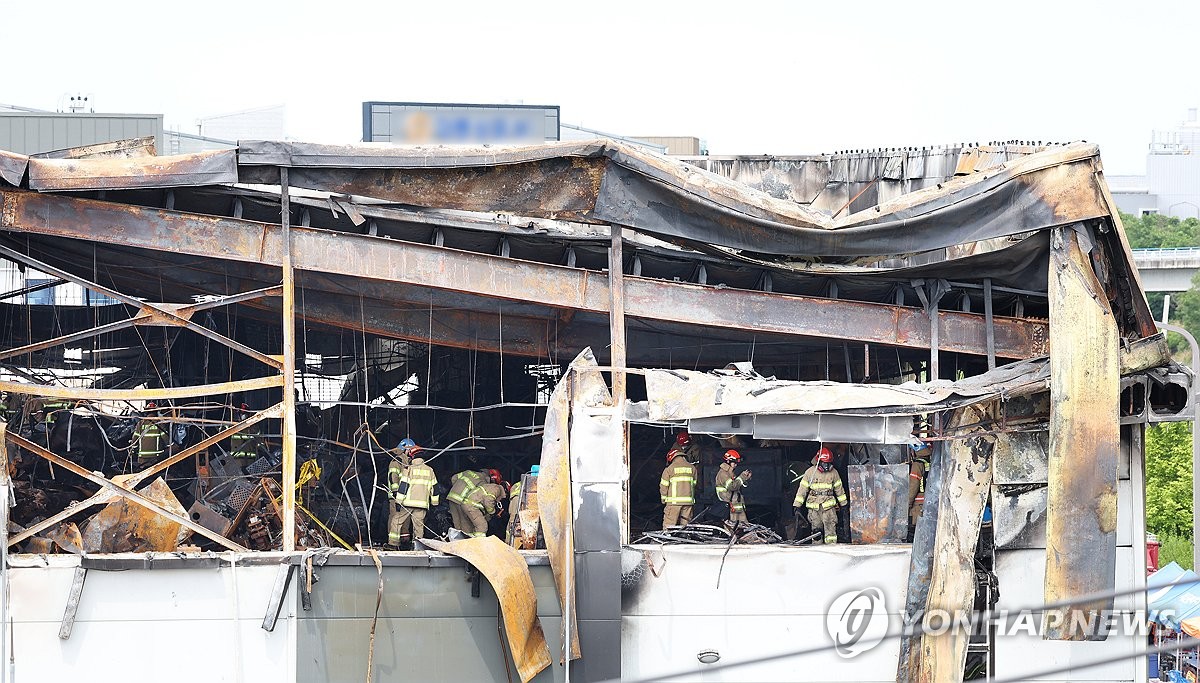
(134, 147)
(1019, 517)
(920, 570)
(111, 173)
(670, 198)
(1022, 197)
(12, 167)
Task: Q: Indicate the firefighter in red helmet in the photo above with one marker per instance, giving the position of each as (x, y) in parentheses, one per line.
(731, 486)
(677, 488)
(822, 493)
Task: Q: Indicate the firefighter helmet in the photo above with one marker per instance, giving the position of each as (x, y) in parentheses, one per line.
(824, 455)
(683, 439)
(495, 476)
(151, 404)
(732, 457)
(406, 444)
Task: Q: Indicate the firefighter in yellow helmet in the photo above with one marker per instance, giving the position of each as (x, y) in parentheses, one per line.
(677, 488)
(822, 493)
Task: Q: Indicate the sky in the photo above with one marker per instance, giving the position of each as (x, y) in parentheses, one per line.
(749, 77)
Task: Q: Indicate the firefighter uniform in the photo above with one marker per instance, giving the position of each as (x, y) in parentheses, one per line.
(792, 477)
(730, 490)
(462, 485)
(481, 504)
(407, 521)
(822, 493)
(917, 469)
(677, 489)
(244, 444)
(150, 441)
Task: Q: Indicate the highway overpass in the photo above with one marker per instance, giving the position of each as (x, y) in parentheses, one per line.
(1167, 270)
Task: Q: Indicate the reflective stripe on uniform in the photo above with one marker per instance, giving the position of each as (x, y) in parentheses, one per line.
(831, 539)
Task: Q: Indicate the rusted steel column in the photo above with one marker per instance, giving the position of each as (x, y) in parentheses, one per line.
(289, 371)
(617, 357)
(1085, 385)
(949, 556)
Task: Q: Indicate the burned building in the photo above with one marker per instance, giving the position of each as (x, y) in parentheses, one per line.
(571, 306)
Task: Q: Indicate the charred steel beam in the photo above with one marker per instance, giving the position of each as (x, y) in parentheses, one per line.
(140, 319)
(131, 495)
(506, 278)
(131, 481)
(166, 315)
(1085, 440)
(83, 393)
(32, 288)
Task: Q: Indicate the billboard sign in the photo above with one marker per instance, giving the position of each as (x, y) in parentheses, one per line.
(416, 123)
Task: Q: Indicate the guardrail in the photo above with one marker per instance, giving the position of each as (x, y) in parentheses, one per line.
(1157, 254)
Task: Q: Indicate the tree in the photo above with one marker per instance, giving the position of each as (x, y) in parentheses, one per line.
(1155, 231)
(1169, 479)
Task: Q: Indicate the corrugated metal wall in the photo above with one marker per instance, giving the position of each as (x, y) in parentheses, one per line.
(34, 133)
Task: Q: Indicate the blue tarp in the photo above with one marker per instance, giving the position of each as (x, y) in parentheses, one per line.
(1171, 604)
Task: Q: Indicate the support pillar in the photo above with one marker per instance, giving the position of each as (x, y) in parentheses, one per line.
(288, 371)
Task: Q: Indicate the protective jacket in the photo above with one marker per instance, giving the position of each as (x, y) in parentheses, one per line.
(678, 483)
(820, 490)
(421, 482)
(463, 484)
(730, 487)
(486, 497)
(150, 439)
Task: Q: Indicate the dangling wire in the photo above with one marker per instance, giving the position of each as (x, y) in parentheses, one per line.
(429, 355)
(502, 352)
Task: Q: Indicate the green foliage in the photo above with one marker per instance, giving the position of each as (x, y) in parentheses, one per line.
(1174, 548)
(1169, 479)
(1154, 231)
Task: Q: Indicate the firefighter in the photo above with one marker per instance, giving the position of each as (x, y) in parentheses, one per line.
(677, 488)
(685, 446)
(245, 443)
(482, 504)
(822, 493)
(148, 438)
(461, 487)
(918, 468)
(731, 487)
(47, 412)
(404, 451)
(414, 495)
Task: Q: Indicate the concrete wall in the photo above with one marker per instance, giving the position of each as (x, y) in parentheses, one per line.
(771, 600)
(182, 625)
(204, 623)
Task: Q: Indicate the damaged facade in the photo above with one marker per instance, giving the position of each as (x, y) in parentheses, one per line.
(329, 301)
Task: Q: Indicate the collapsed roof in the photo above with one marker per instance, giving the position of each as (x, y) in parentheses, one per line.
(501, 247)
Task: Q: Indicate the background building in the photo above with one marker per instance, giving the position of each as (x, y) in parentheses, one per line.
(1171, 184)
